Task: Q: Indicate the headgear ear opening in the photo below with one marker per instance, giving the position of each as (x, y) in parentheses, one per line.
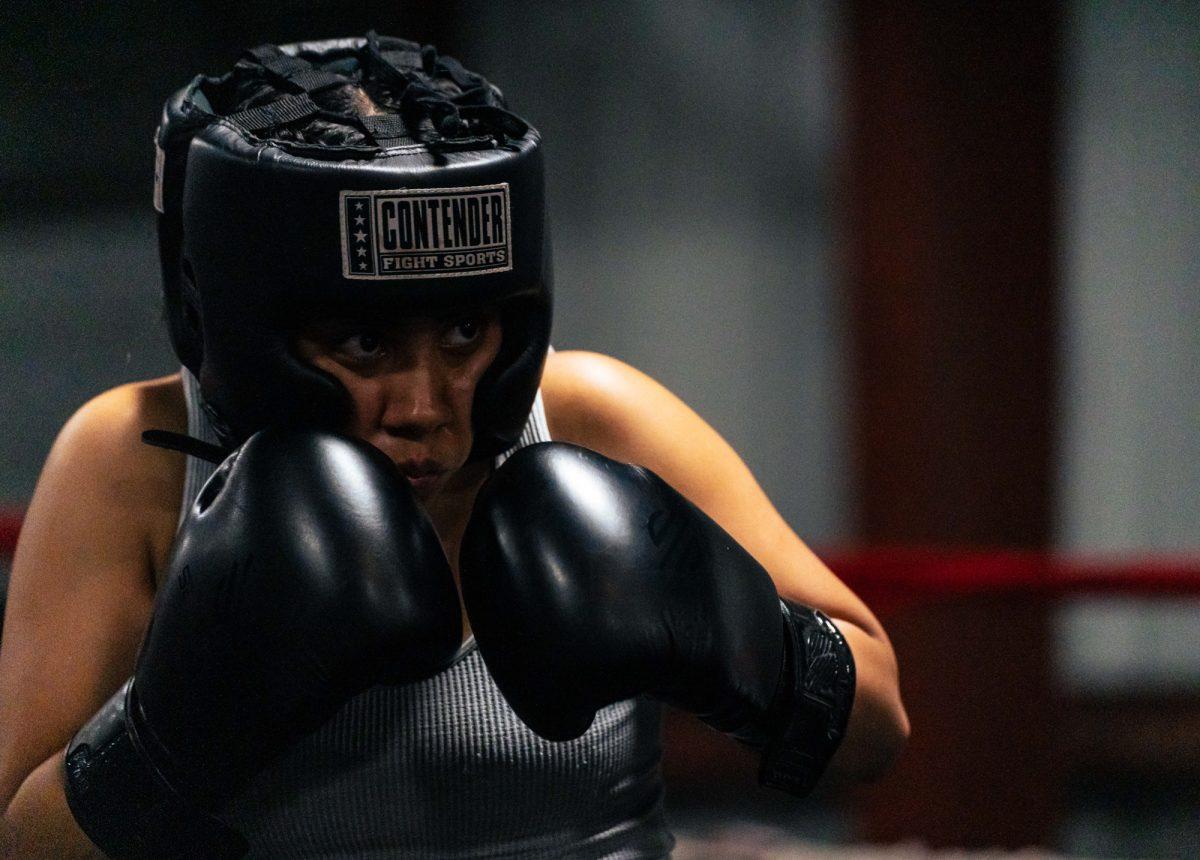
(273, 205)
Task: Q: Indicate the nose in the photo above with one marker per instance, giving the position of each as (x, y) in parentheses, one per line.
(417, 396)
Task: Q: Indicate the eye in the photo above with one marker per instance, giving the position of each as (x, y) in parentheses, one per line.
(463, 332)
(361, 346)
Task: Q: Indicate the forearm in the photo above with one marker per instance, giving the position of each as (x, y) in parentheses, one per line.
(38, 822)
(878, 726)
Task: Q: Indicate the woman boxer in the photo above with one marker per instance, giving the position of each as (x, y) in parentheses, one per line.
(352, 236)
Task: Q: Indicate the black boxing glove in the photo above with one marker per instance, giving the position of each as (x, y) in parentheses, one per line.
(304, 573)
(589, 581)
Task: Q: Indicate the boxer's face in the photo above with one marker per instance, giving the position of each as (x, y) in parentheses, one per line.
(411, 384)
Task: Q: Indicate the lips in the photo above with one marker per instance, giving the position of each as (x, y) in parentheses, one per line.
(421, 474)
(420, 468)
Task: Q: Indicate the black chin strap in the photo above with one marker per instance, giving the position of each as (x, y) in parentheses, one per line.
(189, 445)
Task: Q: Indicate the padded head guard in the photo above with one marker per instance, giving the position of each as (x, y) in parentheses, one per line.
(263, 226)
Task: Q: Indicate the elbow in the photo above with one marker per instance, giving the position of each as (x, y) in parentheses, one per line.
(891, 738)
(869, 751)
(878, 728)
(884, 723)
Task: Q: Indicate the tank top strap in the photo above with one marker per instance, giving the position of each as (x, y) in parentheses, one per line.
(198, 427)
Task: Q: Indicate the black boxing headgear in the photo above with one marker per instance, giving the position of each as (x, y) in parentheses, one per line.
(435, 207)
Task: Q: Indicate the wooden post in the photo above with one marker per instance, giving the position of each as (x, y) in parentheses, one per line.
(950, 255)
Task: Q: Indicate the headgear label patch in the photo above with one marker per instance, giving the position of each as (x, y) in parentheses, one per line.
(426, 232)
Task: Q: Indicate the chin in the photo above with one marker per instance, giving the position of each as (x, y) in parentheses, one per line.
(426, 488)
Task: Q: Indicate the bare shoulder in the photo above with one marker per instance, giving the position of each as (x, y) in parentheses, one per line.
(100, 471)
(601, 402)
(104, 437)
(108, 418)
(83, 578)
(604, 404)
(608, 406)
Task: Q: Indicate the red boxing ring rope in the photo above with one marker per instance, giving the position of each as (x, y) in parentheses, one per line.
(895, 576)
(1035, 740)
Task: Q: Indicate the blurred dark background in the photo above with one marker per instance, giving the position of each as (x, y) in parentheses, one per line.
(932, 269)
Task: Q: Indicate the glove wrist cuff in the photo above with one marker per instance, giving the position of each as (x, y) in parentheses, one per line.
(125, 805)
(817, 687)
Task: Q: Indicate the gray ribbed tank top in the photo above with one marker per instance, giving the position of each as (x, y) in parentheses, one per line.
(444, 768)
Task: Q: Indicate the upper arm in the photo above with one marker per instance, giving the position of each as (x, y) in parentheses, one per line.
(610, 407)
(82, 582)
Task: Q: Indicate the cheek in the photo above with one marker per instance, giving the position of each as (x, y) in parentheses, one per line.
(365, 402)
(464, 380)
(462, 388)
(481, 361)
(490, 349)
(365, 395)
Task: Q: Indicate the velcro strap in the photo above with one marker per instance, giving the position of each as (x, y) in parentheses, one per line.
(386, 129)
(281, 112)
(314, 80)
(123, 804)
(283, 65)
(401, 60)
(820, 672)
(263, 53)
(294, 72)
(456, 72)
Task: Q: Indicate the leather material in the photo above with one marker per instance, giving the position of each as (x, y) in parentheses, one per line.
(444, 767)
(253, 244)
(110, 784)
(588, 581)
(821, 677)
(304, 573)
